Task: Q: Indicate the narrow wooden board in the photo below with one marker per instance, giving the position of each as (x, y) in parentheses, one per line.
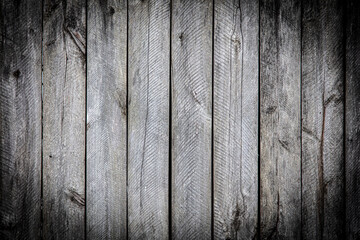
(106, 204)
(352, 119)
(191, 118)
(20, 119)
(322, 120)
(280, 144)
(149, 105)
(236, 58)
(64, 80)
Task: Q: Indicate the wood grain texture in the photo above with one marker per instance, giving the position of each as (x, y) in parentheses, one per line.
(236, 57)
(149, 105)
(106, 120)
(323, 120)
(191, 118)
(64, 80)
(280, 171)
(20, 119)
(352, 119)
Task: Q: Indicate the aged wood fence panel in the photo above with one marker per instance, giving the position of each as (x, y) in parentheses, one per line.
(236, 58)
(322, 120)
(179, 119)
(149, 113)
(280, 142)
(64, 90)
(106, 199)
(191, 118)
(20, 119)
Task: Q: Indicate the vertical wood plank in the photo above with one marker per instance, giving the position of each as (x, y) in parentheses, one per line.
(352, 119)
(236, 58)
(148, 101)
(191, 118)
(64, 79)
(323, 120)
(20, 119)
(106, 120)
(280, 172)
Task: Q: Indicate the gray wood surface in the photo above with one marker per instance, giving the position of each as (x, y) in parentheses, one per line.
(352, 163)
(20, 119)
(191, 118)
(64, 80)
(149, 105)
(106, 204)
(236, 57)
(280, 172)
(322, 120)
(141, 119)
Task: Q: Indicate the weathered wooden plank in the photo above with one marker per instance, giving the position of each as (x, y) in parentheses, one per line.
(322, 120)
(149, 105)
(20, 119)
(352, 119)
(280, 172)
(236, 58)
(64, 80)
(106, 120)
(191, 118)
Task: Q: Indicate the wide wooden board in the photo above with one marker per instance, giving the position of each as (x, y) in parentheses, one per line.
(236, 82)
(191, 68)
(20, 119)
(322, 120)
(149, 119)
(280, 142)
(106, 195)
(64, 81)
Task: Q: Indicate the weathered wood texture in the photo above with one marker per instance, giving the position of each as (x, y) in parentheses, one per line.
(64, 79)
(179, 119)
(352, 117)
(236, 57)
(322, 120)
(149, 106)
(280, 143)
(191, 118)
(106, 204)
(20, 119)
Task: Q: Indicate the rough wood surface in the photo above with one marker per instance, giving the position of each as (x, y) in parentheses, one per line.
(191, 118)
(148, 99)
(20, 119)
(280, 172)
(352, 117)
(323, 120)
(236, 57)
(64, 80)
(106, 120)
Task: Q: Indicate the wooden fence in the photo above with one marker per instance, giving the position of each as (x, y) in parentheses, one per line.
(181, 119)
